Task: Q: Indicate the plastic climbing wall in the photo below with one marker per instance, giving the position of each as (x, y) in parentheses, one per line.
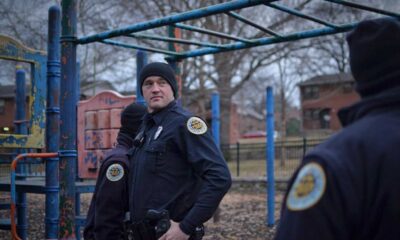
(98, 126)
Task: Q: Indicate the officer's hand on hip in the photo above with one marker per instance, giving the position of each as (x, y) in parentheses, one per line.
(174, 233)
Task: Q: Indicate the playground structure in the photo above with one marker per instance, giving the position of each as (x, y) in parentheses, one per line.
(54, 123)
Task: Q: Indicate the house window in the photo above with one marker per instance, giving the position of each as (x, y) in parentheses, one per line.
(311, 92)
(315, 114)
(2, 106)
(307, 114)
(311, 114)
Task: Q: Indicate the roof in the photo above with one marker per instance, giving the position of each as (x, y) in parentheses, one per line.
(328, 79)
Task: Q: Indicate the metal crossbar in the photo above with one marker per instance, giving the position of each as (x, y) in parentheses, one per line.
(238, 42)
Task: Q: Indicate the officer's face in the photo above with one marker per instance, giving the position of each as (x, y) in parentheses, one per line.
(157, 92)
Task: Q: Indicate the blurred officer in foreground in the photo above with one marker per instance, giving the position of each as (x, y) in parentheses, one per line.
(348, 187)
(105, 218)
(178, 176)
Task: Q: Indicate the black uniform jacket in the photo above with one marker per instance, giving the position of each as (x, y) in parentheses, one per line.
(178, 167)
(110, 198)
(352, 190)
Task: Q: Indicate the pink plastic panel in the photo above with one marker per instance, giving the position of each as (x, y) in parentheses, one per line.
(98, 126)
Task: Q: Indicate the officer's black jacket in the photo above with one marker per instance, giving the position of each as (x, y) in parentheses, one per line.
(109, 202)
(167, 167)
(362, 167)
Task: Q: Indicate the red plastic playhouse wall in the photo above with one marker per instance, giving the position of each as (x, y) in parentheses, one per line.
(98, 126)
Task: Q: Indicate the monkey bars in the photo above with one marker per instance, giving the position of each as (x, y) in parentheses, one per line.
(204, 48)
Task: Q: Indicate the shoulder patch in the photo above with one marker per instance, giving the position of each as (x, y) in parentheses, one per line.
(196, 125)
(308, 187)
(115, 172)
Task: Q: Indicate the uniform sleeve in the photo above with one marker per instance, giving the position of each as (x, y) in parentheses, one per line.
(111, 200)
(317, 204)
(208, 163)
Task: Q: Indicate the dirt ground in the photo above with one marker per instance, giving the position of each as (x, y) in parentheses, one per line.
(242, 216)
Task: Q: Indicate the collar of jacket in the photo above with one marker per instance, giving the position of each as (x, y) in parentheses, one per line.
(380, 102)
(158, 116)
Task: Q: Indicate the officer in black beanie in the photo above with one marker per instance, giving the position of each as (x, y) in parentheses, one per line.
(375, 55)
(348, 187)
(178, 174)
(110, 198)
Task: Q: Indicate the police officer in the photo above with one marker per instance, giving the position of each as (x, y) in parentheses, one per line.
(109, 202)
(177, 166)
(348, 186)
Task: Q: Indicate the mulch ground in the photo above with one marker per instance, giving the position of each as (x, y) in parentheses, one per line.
(242, 216)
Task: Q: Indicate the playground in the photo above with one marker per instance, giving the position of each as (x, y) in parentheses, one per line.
(52, 158)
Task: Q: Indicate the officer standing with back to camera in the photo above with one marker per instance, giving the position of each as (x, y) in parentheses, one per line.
(178, 176)
(105, 218)
(348, 188)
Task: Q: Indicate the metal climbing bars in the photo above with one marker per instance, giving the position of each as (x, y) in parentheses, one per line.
(204, 48)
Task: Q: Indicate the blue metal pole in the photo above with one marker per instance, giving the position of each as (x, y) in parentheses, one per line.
(364, 7)
(21, 128)
(302, 15)
(68, 114)
(134, 46)
(212, 33)
(141, 61)
(20, 114)
(270, 158)
(52, 188)
(215, 122)
(172, 39)
(267, 41)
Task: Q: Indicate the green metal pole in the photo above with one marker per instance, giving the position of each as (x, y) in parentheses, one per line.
(174, 47)
(67, 152)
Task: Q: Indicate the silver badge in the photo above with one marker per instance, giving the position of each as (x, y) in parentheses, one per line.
(159, 130)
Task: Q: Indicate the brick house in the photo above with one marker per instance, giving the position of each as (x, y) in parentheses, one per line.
(322, 97)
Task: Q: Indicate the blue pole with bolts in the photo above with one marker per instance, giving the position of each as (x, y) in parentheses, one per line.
(52, 188)
(21, 128)
(270, 158)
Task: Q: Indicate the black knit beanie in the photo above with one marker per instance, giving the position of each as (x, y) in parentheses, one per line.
(131, 118)
(375, 55)
(162, 70)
